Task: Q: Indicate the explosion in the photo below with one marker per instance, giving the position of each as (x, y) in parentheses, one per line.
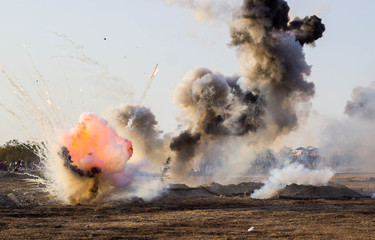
(93, 148)
(225, 120)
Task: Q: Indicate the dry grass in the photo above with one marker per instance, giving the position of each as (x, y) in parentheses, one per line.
(208, 218)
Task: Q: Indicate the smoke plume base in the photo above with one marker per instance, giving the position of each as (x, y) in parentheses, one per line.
(294, 173)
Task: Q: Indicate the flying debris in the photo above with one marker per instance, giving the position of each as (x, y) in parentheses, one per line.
(154, 72)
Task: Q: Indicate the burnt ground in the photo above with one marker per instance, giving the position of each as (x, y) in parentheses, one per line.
(27, 212)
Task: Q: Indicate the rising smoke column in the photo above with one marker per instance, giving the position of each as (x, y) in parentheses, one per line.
(140, 125)
(272, 59)
(220, 113)
(261, 103)
(293, 173)
(215, 109)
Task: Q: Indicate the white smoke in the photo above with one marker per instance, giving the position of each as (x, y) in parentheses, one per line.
(348, 143)
(293, 173)
(208, 9)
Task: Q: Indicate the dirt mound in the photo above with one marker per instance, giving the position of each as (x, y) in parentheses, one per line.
(178, 192)
(295, 191)
(17, 175)
(231, 190)
(6, 202)
(184, 192)
(178, 186)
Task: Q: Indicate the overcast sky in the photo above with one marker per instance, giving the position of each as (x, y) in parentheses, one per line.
(85, 73)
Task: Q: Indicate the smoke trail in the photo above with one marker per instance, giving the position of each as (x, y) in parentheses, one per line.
(43, 116)
(149, 84)
(294, 173)
(10, 112)
(208, 9)
(114, 85)
(44, 93)
(81, 55)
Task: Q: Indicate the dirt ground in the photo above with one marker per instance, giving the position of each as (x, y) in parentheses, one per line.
(37, 216)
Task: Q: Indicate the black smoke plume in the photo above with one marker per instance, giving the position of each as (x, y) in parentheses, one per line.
(184, 145)
(254, 108)
(216, 105)
(308, 29)
(272, 58)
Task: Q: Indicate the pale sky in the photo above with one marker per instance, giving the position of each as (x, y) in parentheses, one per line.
(141, 33)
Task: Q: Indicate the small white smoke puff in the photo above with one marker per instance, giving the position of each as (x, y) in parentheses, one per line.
(294, 173)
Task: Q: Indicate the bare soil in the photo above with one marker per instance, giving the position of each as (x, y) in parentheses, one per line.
(26, 212)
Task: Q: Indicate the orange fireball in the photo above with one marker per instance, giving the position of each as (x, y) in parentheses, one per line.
(92, 143)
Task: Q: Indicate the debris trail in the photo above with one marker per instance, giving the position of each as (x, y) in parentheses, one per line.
(148, 84)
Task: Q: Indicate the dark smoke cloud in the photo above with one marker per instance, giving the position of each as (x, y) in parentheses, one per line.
(139, 124)
(184, 145)
(217, 106)
(307, 30)
(270, 14)
(272, 57)
(254, 108)
(139, 118)
(362, 104)
(272, 83)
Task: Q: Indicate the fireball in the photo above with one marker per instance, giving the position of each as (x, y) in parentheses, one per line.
(93, 148)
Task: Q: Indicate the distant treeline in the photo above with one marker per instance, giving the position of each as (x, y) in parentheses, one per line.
(15, 151)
